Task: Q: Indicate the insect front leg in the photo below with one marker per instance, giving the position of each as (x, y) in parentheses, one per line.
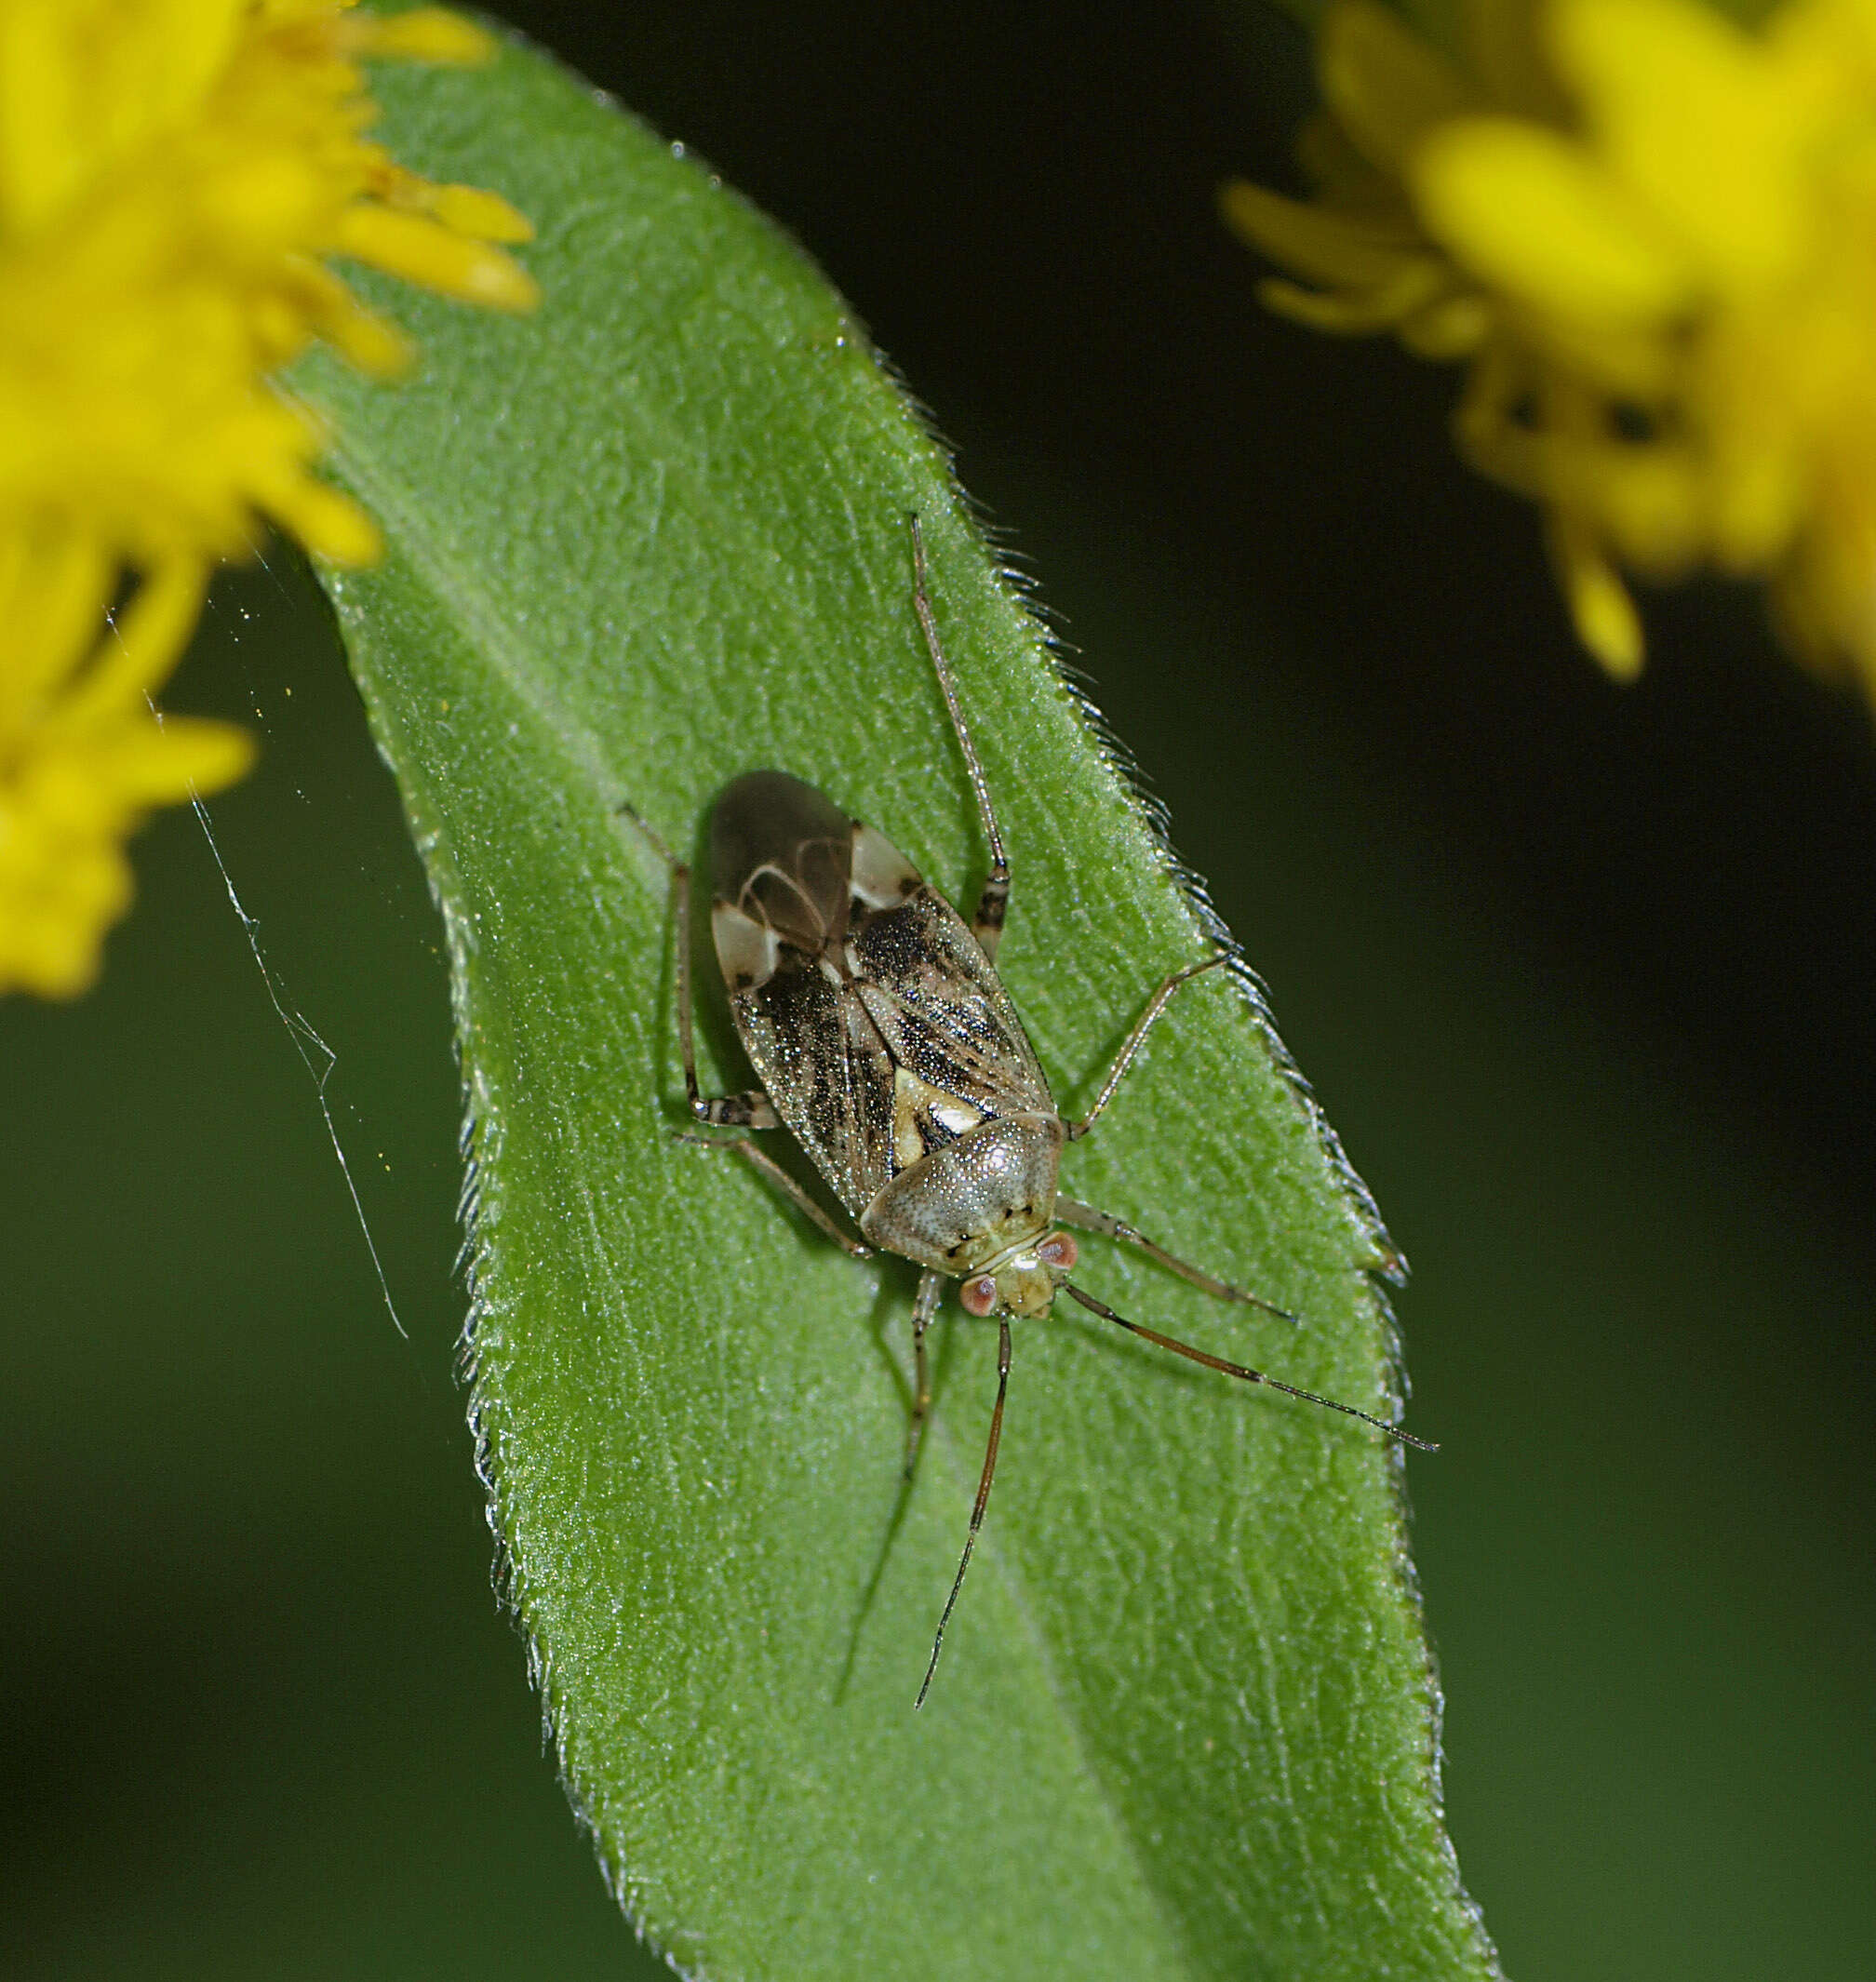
(930, 1288)
(771, 1172)
(1124, 1058)
(993, 903)
(1084, 1217)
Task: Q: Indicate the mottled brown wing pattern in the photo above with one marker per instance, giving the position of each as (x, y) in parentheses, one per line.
(827, 1072)
(880, 1031)
(958, 1050)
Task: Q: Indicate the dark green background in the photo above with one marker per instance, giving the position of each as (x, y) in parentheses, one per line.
(1583, 976)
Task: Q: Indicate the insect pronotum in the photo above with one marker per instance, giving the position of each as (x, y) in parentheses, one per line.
(884, 1039)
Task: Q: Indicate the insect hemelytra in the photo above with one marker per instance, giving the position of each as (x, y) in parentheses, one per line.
(883, 1038)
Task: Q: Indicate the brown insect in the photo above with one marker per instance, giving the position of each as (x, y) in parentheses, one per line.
(883, 1039)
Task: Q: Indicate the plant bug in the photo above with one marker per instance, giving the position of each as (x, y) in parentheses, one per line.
(884, 1039)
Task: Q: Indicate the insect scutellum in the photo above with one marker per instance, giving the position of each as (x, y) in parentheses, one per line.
(883, 1039)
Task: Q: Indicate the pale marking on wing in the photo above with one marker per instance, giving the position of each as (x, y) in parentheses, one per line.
(883, 877)
(912, 1097)
(747, 950)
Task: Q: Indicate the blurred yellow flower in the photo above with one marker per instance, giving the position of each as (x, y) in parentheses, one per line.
(81, 753)
(172, 174)
(1652, 235)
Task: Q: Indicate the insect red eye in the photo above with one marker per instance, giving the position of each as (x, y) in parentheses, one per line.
(978, 1296)
(1059, 1251)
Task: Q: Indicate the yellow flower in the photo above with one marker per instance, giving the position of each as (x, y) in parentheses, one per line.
(82, 755)
(1652, 236)
(173, 174)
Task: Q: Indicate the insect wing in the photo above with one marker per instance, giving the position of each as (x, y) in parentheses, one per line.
(958, 1053)
(826, 1071)
(781, 853)
(872, 1017)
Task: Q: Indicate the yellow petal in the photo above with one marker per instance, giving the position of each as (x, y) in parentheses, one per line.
(371, 343)
(80, 84)
(1360, 313)
(1650, 501)
(149, 636)
(175, 51)
(1759, 500)
(1385, 86)
(424, 34)
(1750, 385)
(368, 341)
(329, 524)
(173, 757)
(41, 159)
(54, 615)
(468, 209)
(484, 216)
(1450, 326)
(1530, 213)
(52, 935)
(1605, 617)
(412, 246)
(1316, 241)
(1695, 117)
(1826, 594)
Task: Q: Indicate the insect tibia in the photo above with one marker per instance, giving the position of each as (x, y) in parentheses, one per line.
(1241, 1370)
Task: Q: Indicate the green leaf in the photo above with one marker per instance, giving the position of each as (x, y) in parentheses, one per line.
(1186, 1724)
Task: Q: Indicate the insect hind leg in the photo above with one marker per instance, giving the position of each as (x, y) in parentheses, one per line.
(750, 1109)
(778, 1179)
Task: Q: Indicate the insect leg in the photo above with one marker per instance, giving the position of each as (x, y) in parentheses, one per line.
(982, 1502)
(748, 1110)
(930, 1286)
(752, 1109)
(1087, 1219)
(986, 923)
(772, 1172)
(1123, 1059)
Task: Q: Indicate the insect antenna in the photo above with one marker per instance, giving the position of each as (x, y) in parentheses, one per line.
(977, 1511)
(1233, 1368)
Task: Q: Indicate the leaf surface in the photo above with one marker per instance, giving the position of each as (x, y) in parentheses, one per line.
(1184, 1724)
